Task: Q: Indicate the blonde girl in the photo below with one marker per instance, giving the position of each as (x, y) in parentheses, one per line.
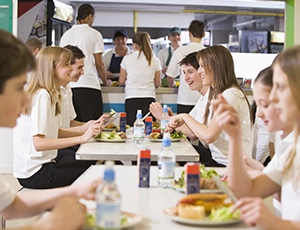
(282, 173)
(141, 72)
(37, 135)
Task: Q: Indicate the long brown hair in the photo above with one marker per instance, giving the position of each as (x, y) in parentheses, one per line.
(43, 77)
(288, 61)
(142, 39)
(218, 62)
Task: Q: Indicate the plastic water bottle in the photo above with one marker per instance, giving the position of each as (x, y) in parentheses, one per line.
(164, 118)
(108, 199)
(138, 129)
(166, 163)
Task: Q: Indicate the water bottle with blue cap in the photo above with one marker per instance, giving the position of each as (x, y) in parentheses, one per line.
(166, 163)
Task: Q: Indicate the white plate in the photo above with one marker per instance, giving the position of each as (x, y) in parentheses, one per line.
(207, 222)
(160, 140)
(182, 190)
(132, 220)
(111, 140)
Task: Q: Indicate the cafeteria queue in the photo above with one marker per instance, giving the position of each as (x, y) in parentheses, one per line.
(35, 107)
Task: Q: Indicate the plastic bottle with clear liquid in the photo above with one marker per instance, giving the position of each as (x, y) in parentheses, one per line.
(108, 199)
(138, 129)
(164, 118)
(166, 163)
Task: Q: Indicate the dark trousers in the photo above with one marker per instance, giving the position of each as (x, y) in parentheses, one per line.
(87, 103)
(62, 172)
(206, 157)
(184, 108)
(133, 104)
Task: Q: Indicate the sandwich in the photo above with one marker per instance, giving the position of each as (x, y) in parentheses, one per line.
(198, 206)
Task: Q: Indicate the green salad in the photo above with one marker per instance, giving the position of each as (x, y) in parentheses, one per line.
(224, 214)
(204, 173)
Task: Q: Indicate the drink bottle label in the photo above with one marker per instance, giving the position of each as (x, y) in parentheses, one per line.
(108, 216)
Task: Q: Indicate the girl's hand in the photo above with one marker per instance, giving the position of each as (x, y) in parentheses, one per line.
(226, 117)
(87, 191)
(93, 130)
(174, 122)
(255, 213)
(156, 110)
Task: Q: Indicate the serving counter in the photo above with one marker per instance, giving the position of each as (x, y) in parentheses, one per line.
(114, 97)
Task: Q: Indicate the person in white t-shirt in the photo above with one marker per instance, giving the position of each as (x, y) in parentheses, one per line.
(37, 135)
(216, 68)
(87, 97)
(186, 98)
(266, 111)
(282, 174)
(190, 65)
(67, 109)
(165, 54)
(112, 59)
(141, 72)
(64, 211)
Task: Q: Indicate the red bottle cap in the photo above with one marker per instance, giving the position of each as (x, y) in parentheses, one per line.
(122, 114)
(146, 153)
(148, 119)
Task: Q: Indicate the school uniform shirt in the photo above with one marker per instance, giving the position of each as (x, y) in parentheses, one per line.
(186, 96)
(42, 120)
(67, 108)
(163, 56)
(281, 145)
(199, 109)
(108, 55)
(290, 198)
(219, 148)
(90, 41)
(261, 140)
(7, 195)
(140, 76)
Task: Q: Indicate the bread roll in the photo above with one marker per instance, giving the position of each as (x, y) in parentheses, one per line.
(191, 212)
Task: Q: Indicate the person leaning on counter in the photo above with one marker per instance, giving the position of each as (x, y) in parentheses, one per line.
(113, 58)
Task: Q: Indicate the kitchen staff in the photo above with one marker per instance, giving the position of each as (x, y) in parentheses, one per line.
(113, 58)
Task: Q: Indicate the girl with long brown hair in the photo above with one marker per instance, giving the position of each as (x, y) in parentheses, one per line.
(217, 72)
(141, 72)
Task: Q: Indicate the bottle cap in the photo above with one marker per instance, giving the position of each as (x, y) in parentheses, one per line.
(148, 119)
(166, 141)
(165, 108)
(139, 114)
(122, 114)
(109, 172)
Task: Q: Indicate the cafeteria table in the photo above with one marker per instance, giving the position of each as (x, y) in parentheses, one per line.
(128, 151)
(148, 203)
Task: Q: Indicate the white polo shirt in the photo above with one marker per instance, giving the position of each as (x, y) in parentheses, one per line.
(290, 198)
(42, 120)
(219, 148)
(90, 41)
(140, 76)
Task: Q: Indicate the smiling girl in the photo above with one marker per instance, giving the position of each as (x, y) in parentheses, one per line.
(282, 174)
(216, 68)
(37, 135)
